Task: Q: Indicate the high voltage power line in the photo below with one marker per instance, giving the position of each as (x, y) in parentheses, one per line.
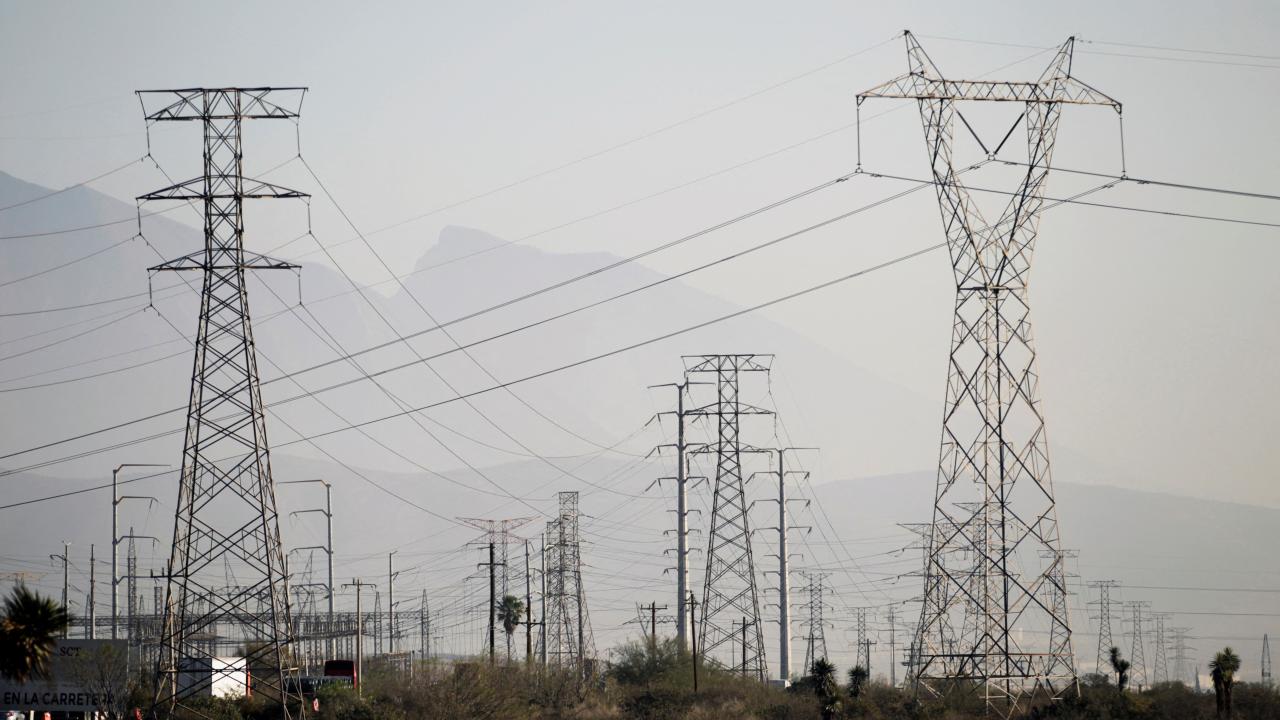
(1074, 200)
(506, 385)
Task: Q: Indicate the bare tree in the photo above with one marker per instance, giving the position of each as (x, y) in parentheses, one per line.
(104, 675)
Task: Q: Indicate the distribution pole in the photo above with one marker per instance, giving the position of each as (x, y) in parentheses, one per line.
(528, 608)
(66, 550)
(893, 652)
(359, 585)
(682, 511)
(328, 549)
(115, 542)
(493, 601)
(784, 574)
(93, 595)
(543, 577)
(784, 567)
(391, 604)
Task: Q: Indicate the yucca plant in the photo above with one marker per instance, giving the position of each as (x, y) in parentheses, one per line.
(1222, 669)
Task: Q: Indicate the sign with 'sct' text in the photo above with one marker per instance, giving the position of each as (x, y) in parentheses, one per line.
(69, 687)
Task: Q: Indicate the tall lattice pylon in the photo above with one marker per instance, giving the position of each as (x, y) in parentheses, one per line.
(1104, 614)
(1160, 662)
(730, 591)
(568, 637)
(863, 639)
(1266, 661)
(1060, 599)
(993, 450)
(1139, 616)
(1184, 668)
(815, 637)
(227, 594)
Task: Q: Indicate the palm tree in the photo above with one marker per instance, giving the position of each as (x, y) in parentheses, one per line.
(1223, 669)
(1121, 668)
(857, 678)
(29, 629)
(823, 676)
(510, 611)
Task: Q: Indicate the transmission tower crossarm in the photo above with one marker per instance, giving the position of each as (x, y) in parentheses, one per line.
(924, 82)
(222, 103)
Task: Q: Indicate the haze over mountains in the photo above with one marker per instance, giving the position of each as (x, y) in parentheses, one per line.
(878, 438)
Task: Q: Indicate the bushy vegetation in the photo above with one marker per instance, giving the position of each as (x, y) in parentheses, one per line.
(648, 682)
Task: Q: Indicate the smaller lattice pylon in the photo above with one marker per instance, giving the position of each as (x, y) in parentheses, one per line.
(1104, 614)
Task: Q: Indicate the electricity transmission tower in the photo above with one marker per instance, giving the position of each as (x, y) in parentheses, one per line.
(1266, 661)
(1183, 662)
(1160, 666)
(1104, 615)
(863, 640)
(815, 646)
(497, 535)
(993, 449)
(1137, 655)
(730, 590)
(567, 631)
(227, 593)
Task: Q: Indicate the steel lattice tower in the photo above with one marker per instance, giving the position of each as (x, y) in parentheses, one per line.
(227, 593)
(1160, 665)
(993, 449)
(1137, 653)
(730, 590)
(1060, 598)
(131, 587)
(568, 635)
(863, 640)
(1104, 615)
(1266, 660)
(815, 646)
(1183, 660)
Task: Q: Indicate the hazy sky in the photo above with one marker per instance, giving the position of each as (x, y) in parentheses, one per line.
(1157, 335)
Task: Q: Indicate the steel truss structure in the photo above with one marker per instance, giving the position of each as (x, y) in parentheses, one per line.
(993, 452)
(227, 592)
(1160, 668)
(815, 639)
(1105, 614)
(1137, 653)
(567, 628)
(730, 592)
